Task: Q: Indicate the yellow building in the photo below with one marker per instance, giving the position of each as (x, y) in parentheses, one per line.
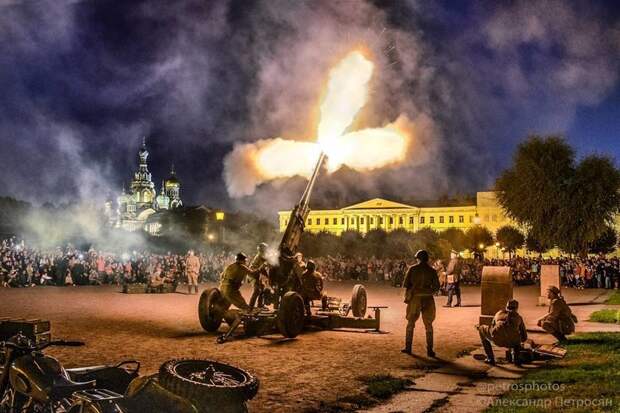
(390, 215)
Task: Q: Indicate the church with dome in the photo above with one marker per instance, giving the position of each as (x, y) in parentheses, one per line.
(138, 202)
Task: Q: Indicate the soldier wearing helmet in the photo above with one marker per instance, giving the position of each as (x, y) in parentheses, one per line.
(421, 283)
(259, 261)
(506, 330)
(232, 278)
(311, 285)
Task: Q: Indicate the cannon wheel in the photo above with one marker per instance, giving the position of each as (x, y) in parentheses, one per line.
(359, 300)
(209, 383)
(291, 315)
(211, 309)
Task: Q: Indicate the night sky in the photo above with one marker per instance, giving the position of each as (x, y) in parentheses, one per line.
(82, 81)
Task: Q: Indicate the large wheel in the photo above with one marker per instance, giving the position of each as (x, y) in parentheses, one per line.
(211, 309)
(291, 315)
(214, 385)
(359, 300)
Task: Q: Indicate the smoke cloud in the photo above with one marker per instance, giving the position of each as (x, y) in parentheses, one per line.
(83, 81)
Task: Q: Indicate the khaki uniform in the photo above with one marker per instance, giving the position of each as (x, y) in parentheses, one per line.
(421, 282)
(257, 262)
(560, 320)
(506, 330)
(453, 280)
(192, 265)
(231, 280)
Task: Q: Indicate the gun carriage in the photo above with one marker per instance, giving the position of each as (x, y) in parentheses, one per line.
(289, 307)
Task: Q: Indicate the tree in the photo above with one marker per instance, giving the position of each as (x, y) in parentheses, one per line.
(532, 244)
(478, 238)
(428, 240)
(559, 201)
(510, 238)
(352, 244)
(456, 238)
(606, 243)
(399, 243)
(375, 240)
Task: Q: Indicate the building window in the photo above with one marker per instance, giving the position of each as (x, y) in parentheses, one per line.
(451, 219)
(318, 221)
(309, 221)
(391, 220)
(335, 221)
(461, 219)
(372, 220)
(380, 220)
(410, 220)
(441, 219)
(431, 220)
(421, 220)
(342, 221)
(352, 221)
(362, 221)
(400, 220)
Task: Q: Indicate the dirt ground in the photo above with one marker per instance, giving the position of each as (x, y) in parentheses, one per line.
(294, 374)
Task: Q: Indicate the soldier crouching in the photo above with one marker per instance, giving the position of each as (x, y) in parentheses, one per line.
(560, 320)
(421, 283)
(506, 330)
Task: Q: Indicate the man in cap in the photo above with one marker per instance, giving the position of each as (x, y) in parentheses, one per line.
(232, 278)
(421, 283)
(192, 269)
(560, 320)
(311, 286)
(453, 279)
(259, 261)
(506, 330)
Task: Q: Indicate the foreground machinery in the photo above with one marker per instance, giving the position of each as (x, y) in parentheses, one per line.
(34, 382)
(290, 308)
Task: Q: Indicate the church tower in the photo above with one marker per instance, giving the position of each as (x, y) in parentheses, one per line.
(142, 186)
(173, 189)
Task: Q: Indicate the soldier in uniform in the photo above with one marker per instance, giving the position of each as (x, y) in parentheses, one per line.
(506, 330)
(560, 320)
(421, 283)
(258, 261)
(232, 278)
(453, 279)
(311, 285)
(192, 269)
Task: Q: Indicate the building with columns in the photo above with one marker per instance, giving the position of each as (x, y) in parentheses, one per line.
(389, 215)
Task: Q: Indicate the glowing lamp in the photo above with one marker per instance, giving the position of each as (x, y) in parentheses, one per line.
(481, 246)
(219, 216)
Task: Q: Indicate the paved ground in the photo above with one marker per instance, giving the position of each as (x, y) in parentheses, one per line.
(295, 374)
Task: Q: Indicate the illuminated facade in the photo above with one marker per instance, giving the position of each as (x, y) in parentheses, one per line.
(388, 215)
(135, 206)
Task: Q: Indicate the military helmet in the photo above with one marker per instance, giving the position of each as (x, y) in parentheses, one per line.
(422, 255)
(310, 265)
(262, 247)
(512, 305)
(241, 257)
(555, 290)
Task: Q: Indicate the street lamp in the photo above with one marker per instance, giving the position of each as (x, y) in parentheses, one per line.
(497, 250)
(219, 216)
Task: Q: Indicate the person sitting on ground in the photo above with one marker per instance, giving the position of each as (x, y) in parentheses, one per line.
(506, 330)
(560, 320)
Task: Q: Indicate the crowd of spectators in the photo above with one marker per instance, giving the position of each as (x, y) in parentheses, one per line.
(24, 266)
(592, 272)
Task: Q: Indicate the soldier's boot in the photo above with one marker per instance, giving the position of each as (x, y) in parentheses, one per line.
(429, 344)
(408, 340)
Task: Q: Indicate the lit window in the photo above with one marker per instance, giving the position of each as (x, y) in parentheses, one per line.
(441, 219)
(461, 219)
(372, 220)
(391, 220)
(309, 221)
(380, 220)
(421, 220)
(362, 221)
(410, 220)
(335, 221)
(318, 221)
(451, 219)
(400, 220)
(342, 221)
(432, 220)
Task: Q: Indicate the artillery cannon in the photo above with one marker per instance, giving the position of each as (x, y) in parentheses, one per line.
(291, 307)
